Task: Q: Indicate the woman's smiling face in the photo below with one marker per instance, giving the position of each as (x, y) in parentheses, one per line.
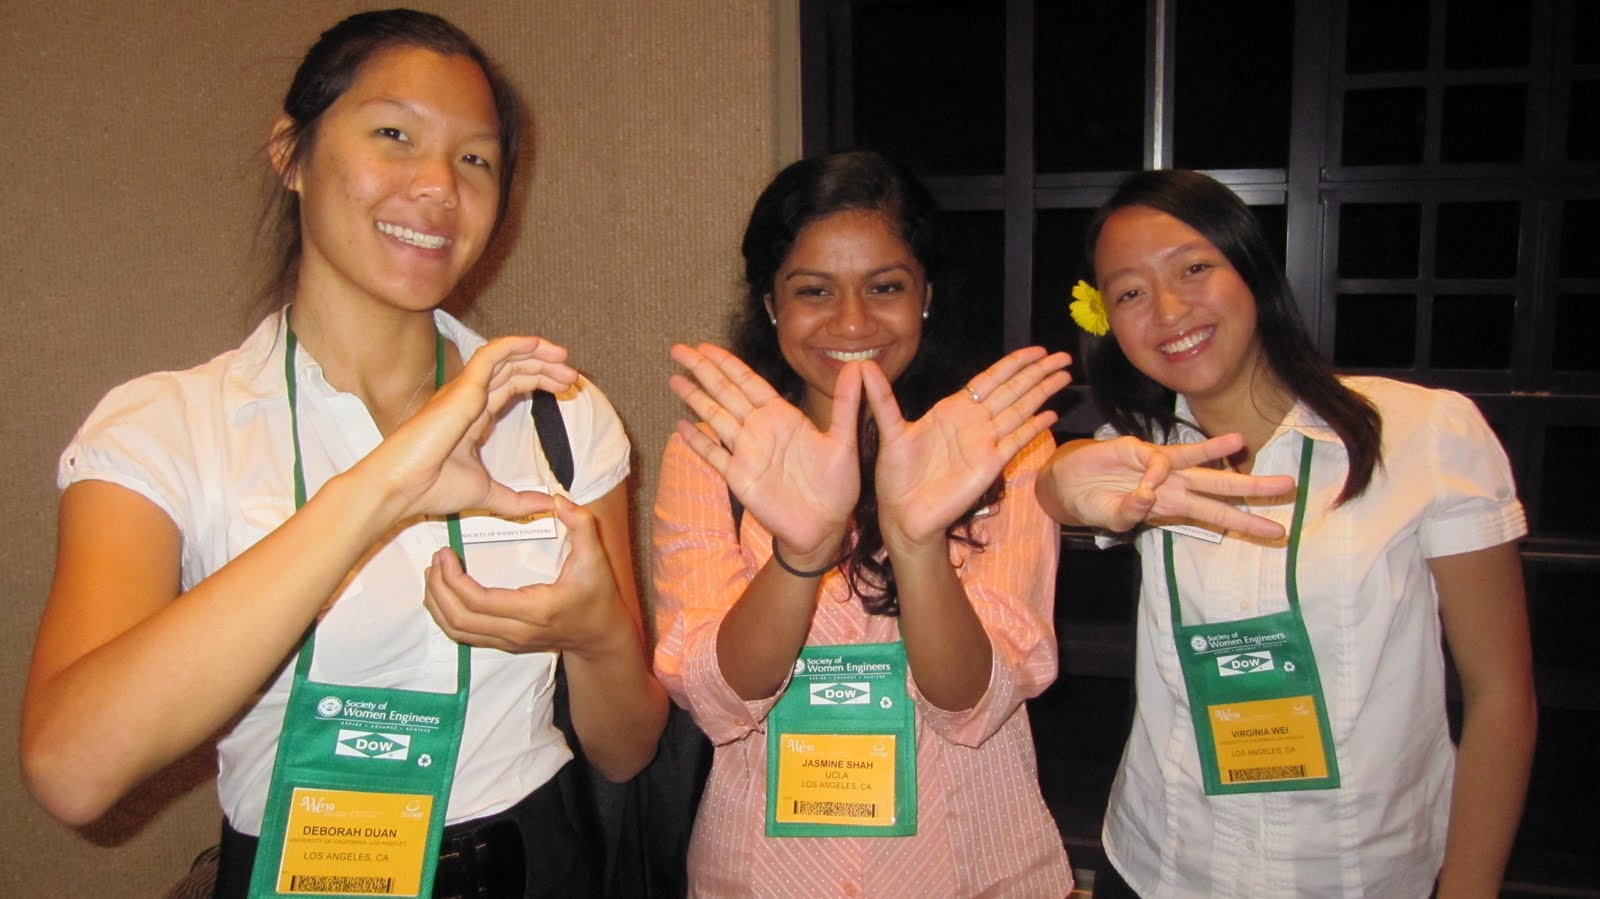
(399, 193)
(1178, 308)
(851, 289)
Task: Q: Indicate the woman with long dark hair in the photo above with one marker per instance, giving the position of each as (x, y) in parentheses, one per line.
(1290, 735)
(854, 583)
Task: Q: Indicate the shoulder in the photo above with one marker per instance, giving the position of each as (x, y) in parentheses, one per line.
(152, 434)
(175, 404)
(1413, 413)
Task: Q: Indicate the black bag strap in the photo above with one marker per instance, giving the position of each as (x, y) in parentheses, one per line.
(552, 430)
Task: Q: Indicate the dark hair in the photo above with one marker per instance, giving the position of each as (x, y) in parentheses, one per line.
(1136, 404)
(326, 72)
(808, 191)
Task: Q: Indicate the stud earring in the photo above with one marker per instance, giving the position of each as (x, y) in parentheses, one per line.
(924, 315)
(773, 319)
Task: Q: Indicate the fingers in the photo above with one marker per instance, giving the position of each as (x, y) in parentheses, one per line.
(1028, 402)
(504, 502)
(1190, 455)
(723, 422)
(1228, 518)
(723, 391)
(1015, 375)
(717, 377)
(458, 604)
(1232, 483)
(521, 355)
(880, 399)
(1134, 508)
(715, 454)
(1013, 441)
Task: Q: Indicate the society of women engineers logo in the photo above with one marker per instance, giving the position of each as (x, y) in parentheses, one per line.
(329, 706)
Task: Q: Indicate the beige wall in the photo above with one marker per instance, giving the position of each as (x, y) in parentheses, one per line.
(131, 177)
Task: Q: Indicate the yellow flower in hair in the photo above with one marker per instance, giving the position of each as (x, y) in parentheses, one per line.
(1089, 309)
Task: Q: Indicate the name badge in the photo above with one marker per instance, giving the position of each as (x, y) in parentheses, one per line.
(354, 843)
(1190, 530)
(841, 746)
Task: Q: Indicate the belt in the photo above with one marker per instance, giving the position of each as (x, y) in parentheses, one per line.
(480, 860)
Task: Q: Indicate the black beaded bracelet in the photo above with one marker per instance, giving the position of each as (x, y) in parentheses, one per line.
(776, 557)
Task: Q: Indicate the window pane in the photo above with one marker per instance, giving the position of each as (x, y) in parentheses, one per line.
(1477, 240)
(1387, 36)
(1570, 483)
(1231, 103)
(1583, 122)
(1585, 21)
(1383, 126)
(1483, 123)
(1472, 331)
(1577, 322)
(1481, 34)
(1580, 235)
(1379, 240)
(1058, 263)
(1274, 222)
(1551, 616)
(1377, 330)
(929, 83)
(1079, 127)
(975, 283)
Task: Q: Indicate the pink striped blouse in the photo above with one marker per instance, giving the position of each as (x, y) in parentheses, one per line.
(983, 827)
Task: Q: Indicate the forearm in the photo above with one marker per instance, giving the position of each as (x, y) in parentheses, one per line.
(1491, 780)
(618, 707)
(98, 719)
(946, 646)
(762, 634)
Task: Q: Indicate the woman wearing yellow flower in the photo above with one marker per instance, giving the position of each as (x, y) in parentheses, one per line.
(1290, 735)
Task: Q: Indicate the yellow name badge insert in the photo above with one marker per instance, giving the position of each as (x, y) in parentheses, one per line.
(836, 779)
(1268, 740)
(355, 843)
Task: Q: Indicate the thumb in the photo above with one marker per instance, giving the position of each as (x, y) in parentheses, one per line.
(583, 529)
(846, 402)
(504, 502)
(880, 398)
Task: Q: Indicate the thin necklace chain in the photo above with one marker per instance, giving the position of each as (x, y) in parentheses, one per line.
(406, 412)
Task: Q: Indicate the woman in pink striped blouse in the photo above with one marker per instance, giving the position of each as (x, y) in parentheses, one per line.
(854, 582)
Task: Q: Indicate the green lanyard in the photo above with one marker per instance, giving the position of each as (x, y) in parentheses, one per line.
(361, 781)
(1260, 719)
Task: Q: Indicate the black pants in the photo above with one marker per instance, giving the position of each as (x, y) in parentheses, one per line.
(1108, 884)
(545, 845)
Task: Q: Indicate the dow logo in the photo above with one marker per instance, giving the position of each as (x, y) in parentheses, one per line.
(855, 693)
(368, 745)
(1244, 663)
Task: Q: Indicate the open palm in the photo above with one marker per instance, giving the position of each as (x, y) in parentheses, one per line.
(929, 472)
(801, 483)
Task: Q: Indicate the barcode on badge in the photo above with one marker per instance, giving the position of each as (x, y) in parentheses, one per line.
(836, 809)
(349, 886)
(1272, 772)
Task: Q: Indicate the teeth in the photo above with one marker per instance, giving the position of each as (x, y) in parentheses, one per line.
(415, 238)
(858, 356)
(1188, 341)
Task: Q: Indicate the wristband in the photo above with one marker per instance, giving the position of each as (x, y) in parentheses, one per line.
(776, 557)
